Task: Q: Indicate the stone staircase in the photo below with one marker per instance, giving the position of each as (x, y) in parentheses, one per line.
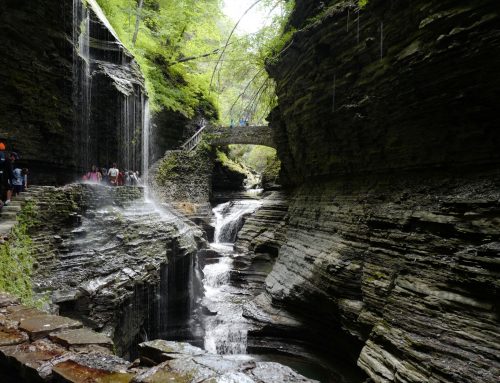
(8, 214)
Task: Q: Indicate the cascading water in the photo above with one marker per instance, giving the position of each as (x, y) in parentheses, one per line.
(82, 81)
(226, 332)
(146, 134)
(108, 93)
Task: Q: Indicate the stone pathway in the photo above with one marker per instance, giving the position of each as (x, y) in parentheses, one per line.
(8, 214)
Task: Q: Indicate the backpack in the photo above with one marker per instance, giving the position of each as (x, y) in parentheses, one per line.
(3, 162)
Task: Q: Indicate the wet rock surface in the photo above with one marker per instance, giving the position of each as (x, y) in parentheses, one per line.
(378, 92)
(397, 272)
(199, 366)
(43, 360)
(66, 82)
(103, 256)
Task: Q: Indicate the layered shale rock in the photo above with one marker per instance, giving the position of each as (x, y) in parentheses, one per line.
(391, 239)
(36, 347)
(71, 94)
(393, 86)
(120, 265)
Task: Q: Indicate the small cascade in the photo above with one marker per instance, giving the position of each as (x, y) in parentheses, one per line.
(229, 219)
(226, 329)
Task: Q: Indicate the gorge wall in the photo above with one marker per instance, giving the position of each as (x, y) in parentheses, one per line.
(388, 136)
(71, 95)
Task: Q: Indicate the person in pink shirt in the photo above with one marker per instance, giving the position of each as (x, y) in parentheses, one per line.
(94, 175)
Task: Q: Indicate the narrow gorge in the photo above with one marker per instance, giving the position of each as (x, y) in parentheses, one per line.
(365, 250)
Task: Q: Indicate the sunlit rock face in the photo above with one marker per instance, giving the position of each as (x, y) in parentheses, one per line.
(387, 132)
(71, 94)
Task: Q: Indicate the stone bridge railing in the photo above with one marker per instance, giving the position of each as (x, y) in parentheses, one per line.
(221, 136)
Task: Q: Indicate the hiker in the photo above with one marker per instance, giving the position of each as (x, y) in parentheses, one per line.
(105, 178)
(3, 173)
(94, 175)
(134, 180)
(113, 174)
(6, 175)
(121, 179)
(25, 178)
(242, 122)
(128, 179)
(17, 176)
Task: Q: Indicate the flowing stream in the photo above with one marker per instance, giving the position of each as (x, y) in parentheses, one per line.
(225, 327)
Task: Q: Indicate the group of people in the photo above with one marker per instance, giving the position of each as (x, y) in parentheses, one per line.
(112, 176)
(13, 178)
(242, 122)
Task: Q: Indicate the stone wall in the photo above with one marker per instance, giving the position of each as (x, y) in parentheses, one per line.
(184, 180)
(36, 105)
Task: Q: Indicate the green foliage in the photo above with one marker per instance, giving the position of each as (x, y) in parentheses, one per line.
(167, 170)
(362, 3)
(177, 164)
(257, 158)
(229, 163)
(170, 30)
(242, 83)
(16, 258)
(179, 43)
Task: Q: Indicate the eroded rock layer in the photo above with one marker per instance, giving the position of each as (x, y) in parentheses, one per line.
(120, 265)
(71, 95)
(387, 130)
(398, 85)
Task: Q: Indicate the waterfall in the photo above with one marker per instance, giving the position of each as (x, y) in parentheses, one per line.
(229, 219)
(146, 134)
(226, 332)
(82, 81)
(108, 94)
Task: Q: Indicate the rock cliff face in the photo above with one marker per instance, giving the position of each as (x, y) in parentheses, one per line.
(386, 128)
(71, 94)
(399, 85)
(121, 266)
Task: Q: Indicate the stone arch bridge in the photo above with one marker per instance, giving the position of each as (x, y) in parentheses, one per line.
(221, 136)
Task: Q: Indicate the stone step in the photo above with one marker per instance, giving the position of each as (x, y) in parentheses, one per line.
(15, 202)
(11, 207)
(21, 198)
(8, 214)
(6, 226)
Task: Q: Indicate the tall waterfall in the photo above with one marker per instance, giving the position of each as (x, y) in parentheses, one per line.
(109, 95)
(82, 87)
(226, 332)
(146, 135)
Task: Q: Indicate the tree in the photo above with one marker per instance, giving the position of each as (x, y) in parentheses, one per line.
(137, 21)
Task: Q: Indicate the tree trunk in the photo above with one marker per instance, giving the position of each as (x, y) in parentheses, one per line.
(137, 21)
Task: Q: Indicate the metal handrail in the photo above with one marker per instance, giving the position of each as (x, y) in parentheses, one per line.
(193, 141)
